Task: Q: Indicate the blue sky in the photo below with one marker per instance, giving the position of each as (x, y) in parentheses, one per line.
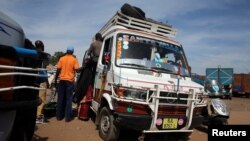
(212, 32)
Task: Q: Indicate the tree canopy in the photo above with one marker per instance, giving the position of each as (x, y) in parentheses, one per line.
(55, 58)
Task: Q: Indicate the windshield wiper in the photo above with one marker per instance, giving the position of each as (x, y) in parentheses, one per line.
(133, 64)
(162, 69)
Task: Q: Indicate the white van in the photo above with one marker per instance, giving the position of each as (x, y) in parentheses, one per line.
(143, 81)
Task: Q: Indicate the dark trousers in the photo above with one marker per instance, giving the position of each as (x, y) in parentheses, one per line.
(94, 66)
(64, 100)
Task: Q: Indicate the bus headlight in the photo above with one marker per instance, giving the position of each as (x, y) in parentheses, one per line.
(135, 94)
(130, 93)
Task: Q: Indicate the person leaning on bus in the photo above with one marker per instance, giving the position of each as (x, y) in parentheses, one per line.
(66, 68)
(94, 50)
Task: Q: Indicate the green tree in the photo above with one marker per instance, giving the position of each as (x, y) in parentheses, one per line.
(55, 58)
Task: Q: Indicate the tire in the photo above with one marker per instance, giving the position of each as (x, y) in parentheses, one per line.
(219, 121)
(230, 96)
(139, 10)
(248, 95)
(235, 94)
(108, 131)
(133, 11)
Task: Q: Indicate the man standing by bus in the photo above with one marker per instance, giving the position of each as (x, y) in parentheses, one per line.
(66, 69)
(43, 83)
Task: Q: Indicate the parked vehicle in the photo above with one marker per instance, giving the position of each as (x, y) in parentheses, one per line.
(223, 77)
(133, 90)
(19, 66)
(218, 113)
(241, 84)
(198, 78)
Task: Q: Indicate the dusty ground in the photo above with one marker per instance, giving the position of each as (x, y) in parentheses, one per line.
(78, 130)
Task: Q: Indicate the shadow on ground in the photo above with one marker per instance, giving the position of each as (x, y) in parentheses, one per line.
(38, 138)
(202, 128)
(131, 135)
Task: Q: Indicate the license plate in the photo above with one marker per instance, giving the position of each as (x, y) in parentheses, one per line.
(169, 123)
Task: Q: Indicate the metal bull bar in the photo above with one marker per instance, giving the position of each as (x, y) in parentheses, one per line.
(155, 105)
(23, 103)
(21, 73)
(153, 101)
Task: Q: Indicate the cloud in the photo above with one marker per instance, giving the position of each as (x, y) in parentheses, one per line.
(212, 32)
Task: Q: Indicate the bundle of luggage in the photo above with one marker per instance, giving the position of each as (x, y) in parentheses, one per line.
(50, 109)
(84, 105)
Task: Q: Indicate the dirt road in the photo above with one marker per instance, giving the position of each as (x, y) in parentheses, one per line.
(78, 130)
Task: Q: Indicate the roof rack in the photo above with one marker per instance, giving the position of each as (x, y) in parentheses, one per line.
(147, 25)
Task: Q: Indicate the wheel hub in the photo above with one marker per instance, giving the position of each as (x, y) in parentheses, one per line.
(105, 124)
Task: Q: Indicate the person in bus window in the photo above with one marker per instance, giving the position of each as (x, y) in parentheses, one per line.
(157, 58)
(165, 59)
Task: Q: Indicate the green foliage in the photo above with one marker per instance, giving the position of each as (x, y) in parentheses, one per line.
(55, 58)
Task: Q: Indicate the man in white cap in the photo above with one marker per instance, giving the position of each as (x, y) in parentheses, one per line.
(66, 68)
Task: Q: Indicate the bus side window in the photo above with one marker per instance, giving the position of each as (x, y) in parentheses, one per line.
(106, 55)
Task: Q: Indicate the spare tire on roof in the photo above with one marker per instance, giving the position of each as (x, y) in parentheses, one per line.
(133, 11)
